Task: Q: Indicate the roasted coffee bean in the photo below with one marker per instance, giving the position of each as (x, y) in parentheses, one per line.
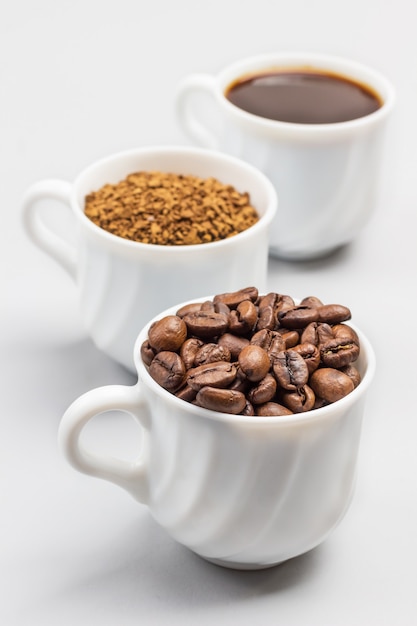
(254, 362)
(234, 299)
(281, 357)
(310, 354)
(243, 319)
(299, 401)
(169, 333)
(147, 352)
(333, 313)
(241, 382)
(343, 331)
(219, 374)
(330, 384)
(351, 371)
(264, 391)
(284, 303)
(233, 343)
(223, 400)
(248, 410)
(291, 337)
(271, 341)
(311, 301)
(206, 324)
(168, 369)
(338, 353)
(210, 353)
(324, 333)
(310, 334)
(290, 370)
(193, 307)
(208, 305)
(266, 318)
(298, 317)
(271, 409)
(221, 307)
(189, 349)
(186, 393)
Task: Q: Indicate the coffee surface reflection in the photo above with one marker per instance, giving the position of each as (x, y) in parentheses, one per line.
(303, 96)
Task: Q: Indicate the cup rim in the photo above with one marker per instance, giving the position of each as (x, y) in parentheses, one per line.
(321, 414)
(350, 68)
(209, 155)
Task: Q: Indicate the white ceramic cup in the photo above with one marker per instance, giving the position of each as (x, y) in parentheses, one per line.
(326, 174)
(123, 283)
(242, 492)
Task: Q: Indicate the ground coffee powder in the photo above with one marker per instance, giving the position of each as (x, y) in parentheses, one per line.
(170, 209)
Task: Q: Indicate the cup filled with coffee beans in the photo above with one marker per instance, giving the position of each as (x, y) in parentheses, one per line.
(314, 123)
(251, 407)
(152, 226)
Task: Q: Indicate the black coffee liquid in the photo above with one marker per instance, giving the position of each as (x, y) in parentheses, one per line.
(303, 97)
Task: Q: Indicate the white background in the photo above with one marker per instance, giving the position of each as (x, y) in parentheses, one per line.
(79, 80)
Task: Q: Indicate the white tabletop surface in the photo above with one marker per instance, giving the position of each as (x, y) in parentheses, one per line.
(78, 81)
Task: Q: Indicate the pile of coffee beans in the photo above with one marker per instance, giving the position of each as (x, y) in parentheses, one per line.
(248, 354)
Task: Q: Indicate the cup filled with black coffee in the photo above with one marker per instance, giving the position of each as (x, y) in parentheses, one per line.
(250, 406)
(314, 124)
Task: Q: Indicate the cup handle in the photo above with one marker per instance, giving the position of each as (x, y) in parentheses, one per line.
(191, 125)
(130, 475)
(57, 247)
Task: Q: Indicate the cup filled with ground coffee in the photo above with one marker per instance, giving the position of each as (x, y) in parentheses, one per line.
(250, 407)
(152, 226)
(314, 124)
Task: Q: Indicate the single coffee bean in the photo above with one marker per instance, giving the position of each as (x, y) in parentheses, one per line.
(192, 307)
(343, 331)
(264, 391)
(291, 337)
(324, 333)
(311, 301)
(271, 409)
(310, 354)
(221, 307)
(266, 318)
(206, 324)
(330, 384)
(147, 352)
(271, 341)
(333, 313)
(248, 410)
(310, 334)
(189, 349)
(168, 370)
(241, 382)
(219, 374)
(210, 353)
(208, 305)
(351, 371)
(186, 393)
(290, 370)
(235, 298)
(254, 362)
(299, 401)
(298, 317)
(233, 343)
(337, 353)
(223, 400)
(284, 302)
(169, 333)
(243, 319)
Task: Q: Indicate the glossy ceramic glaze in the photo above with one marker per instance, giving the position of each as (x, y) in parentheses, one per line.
(326, 175)
(244, 492)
